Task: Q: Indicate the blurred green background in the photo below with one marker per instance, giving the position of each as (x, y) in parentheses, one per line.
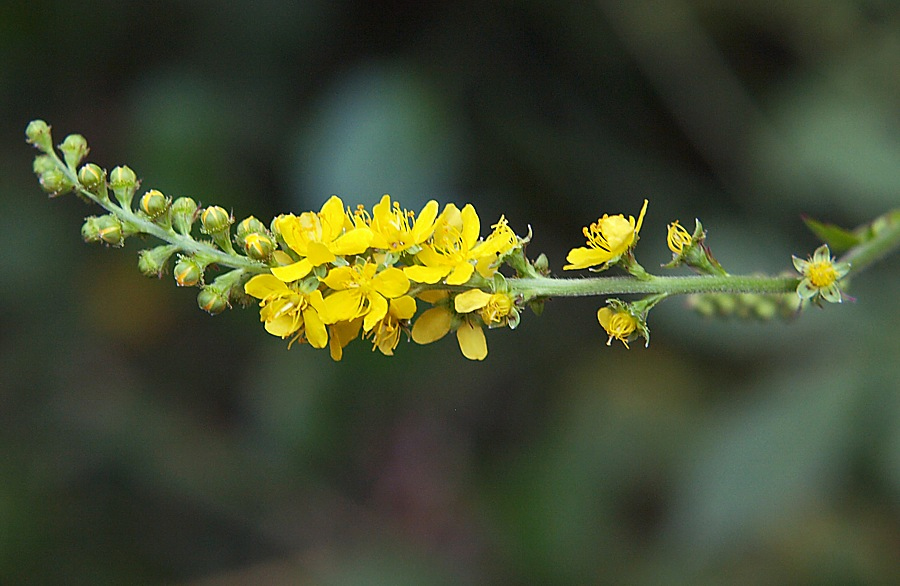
(144, 442)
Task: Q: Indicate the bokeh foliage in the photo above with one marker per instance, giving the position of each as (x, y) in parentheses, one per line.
(145, 442)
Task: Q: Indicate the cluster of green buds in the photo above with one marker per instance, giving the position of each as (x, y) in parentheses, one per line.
(327, 277)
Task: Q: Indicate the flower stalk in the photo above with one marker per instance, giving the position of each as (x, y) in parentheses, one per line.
(325, 278)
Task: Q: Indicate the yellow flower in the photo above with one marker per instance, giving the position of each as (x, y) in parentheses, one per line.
(619, 324)
(820, 276)
(678, 237)
(494, 308)
(386, 333)
(454, 251)
(607, 239)
(319, 238)
(394, 229)
(287, 311)
(361, 291)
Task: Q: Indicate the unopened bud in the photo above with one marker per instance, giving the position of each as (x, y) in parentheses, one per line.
(109, 229)
(90, 231)
(93, 178)
(55, 182)
(184, 213)
(42, 164)
(38, 134)
(215, 219)
(187, 272)
(154, 204)
(124, 183)
(212, 301)
(152, 262)
(74, 149)
(249, 226)
(258, 246)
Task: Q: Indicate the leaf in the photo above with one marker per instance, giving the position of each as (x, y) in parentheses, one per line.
(838, 239)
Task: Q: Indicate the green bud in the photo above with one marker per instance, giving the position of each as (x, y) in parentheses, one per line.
(55, 182)
(37, 133)
(212, 301)
(74, 149)
(124, 183)
(187, 272)
(152, 262)
(216, 222)
(90, 231)
(42, 164)
(184, 213)
(92, 178)
(109, 229)
(258, 246)
(541, 264)
(249, 226)
(154, 204)
(215, 219)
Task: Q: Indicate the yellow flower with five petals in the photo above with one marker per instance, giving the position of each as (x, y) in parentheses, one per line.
(287, 311)
(361, 291)
(607, 240)
(395, 229)
(319, 238)
(454, 252)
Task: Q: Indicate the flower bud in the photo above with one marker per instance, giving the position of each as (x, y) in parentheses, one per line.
(109, 229)
(90, 231)
(249, 226)
(124, 183)
(152, 262)
(212, 301)
(38, 134)
(258, 246)
(55, 182)
(215, 219)
(74, 149)
(154, 204)
(42, 164)
(187, 272)
(216, 222)
(184, 213)
(93, 178)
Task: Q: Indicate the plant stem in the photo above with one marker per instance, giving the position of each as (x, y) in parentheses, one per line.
(550, 287)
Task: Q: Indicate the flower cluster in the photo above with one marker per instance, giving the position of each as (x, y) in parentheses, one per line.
(327, 277)
(342, 273)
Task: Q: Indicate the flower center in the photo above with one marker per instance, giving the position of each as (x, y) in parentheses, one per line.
(610, 233)
(821, 274)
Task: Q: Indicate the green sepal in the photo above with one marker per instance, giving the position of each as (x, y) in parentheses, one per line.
(74, 149)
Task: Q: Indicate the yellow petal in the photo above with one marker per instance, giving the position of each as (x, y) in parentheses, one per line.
(315, 329)
(342, 333)
(318, 254)
(471, 341)
(378, 308)
(261, 286)
(354, 241)
(332, 218)
(461, 274)
(429, 275)
(582, 258)
(471, 226)
(339, 278)
(431, 326)
(403, 307)
(471, 300)
(343, 306)
(293, 272)
(282, 326)
(424, 225)
(391, 282)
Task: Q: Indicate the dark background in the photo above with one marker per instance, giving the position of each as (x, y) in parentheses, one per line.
(144, 442)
